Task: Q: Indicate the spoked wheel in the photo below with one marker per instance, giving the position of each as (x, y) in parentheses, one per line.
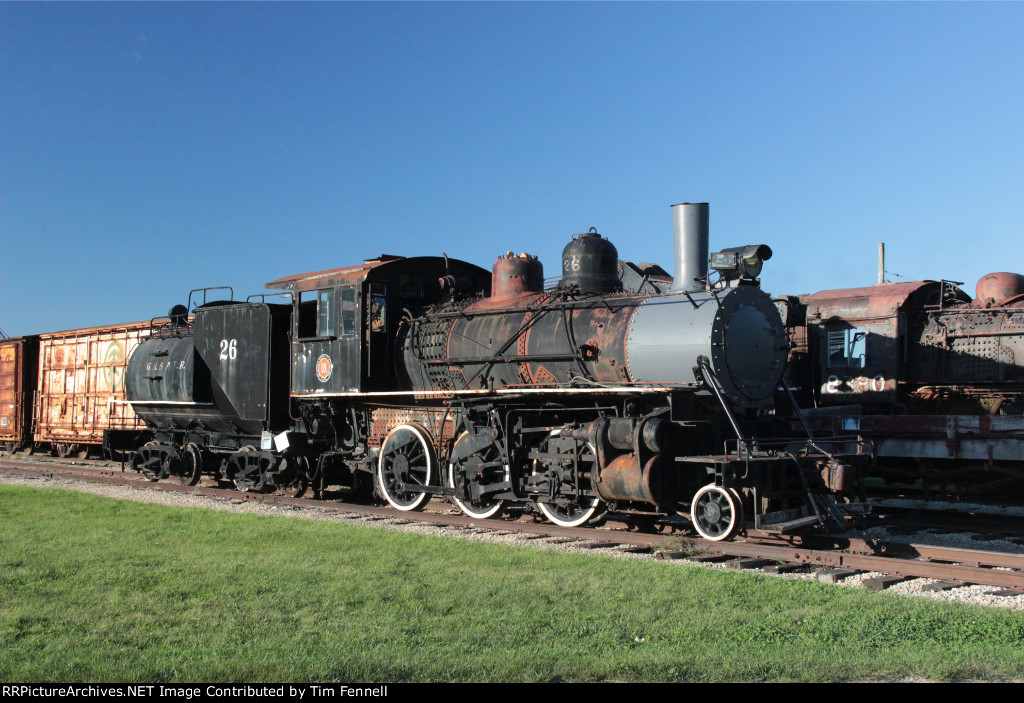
(247, 470)
(406, 457)
(151, 461)
(716, 513)
(296, 477)
(191, 465)
(570, 511)
(481, 463)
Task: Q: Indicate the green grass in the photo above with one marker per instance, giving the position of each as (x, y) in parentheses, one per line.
(102, 590)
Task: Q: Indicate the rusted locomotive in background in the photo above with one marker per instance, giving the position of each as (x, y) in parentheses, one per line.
(934, 379)
(620, 388)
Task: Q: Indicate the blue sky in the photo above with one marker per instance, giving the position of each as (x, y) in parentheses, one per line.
(147, 149)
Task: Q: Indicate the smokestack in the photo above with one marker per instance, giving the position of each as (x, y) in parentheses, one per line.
(690, 222)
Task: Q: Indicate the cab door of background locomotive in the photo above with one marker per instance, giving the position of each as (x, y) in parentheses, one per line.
(858, 360)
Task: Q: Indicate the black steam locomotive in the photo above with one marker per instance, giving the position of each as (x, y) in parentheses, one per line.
(620, 388)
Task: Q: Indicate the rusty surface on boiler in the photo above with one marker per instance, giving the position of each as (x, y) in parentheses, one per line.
(514, 276)
(530, 342)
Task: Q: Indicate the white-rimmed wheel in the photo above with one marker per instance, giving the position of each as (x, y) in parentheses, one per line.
(406, 457)
(716, 512)
(571, 509)
(475, 463)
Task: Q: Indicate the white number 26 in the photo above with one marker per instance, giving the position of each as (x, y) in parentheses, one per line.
(228, 349)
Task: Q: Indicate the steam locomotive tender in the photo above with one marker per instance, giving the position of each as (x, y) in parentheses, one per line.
(619, 389)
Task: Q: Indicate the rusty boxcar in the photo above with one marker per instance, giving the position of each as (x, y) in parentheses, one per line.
(80, 391)
(19, 370)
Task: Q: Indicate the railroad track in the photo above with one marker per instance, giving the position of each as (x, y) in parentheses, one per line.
(831, 557)
(953, 518)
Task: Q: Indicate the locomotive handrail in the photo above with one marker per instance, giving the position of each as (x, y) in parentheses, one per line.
(263, 296)
(542, 306)
(205, 290)
(164, 325)
(712, 382)
(496, 358)
(620, 302)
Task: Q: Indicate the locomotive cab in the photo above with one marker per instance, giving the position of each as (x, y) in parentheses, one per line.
(346, 319)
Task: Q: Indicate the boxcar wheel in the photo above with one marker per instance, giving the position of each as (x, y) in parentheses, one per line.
(716, 513)
(407, 457)
(64, 449)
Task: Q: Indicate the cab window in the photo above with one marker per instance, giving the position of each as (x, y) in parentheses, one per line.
(316, 315)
